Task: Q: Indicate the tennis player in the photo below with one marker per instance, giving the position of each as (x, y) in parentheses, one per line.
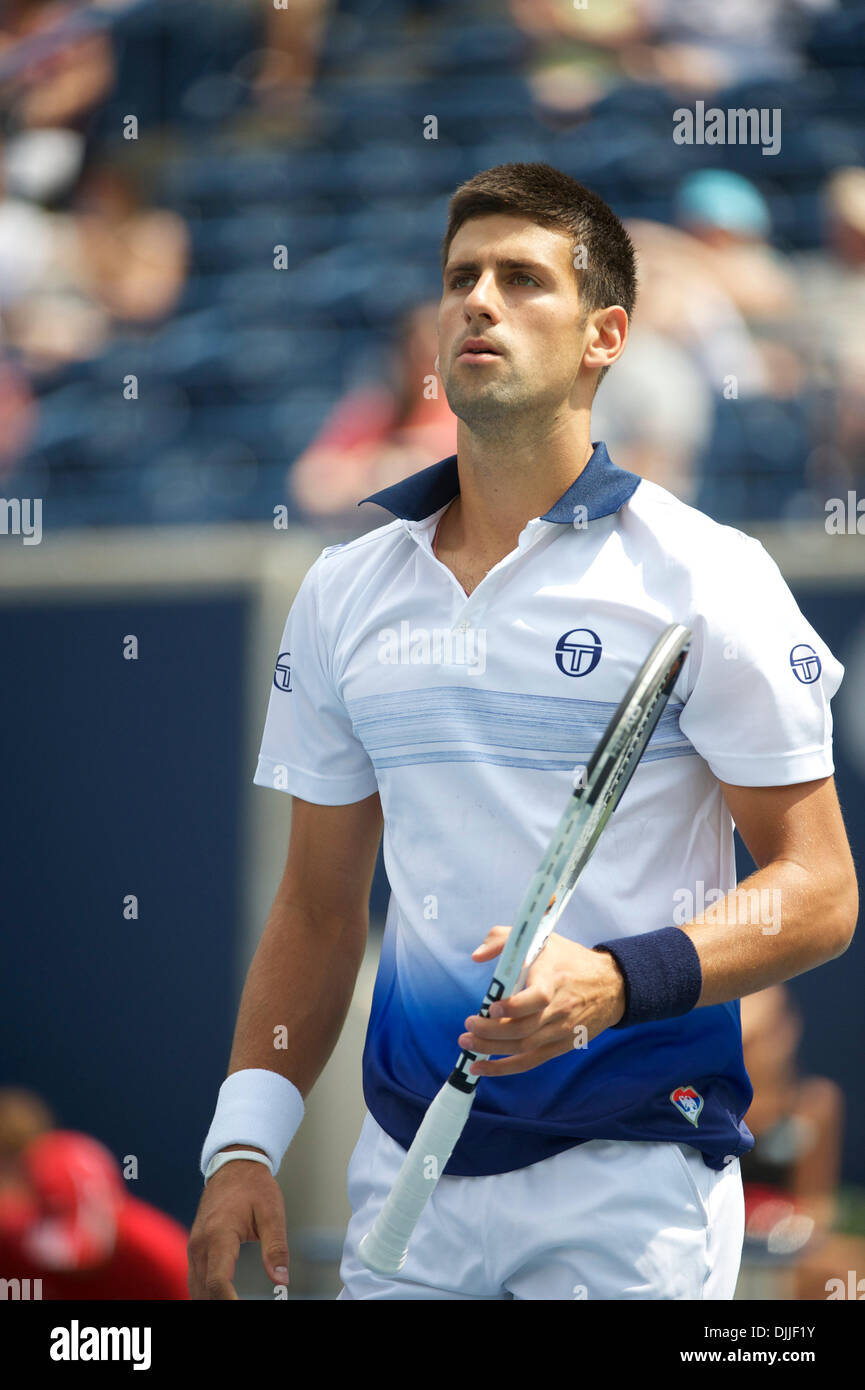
(443, 676)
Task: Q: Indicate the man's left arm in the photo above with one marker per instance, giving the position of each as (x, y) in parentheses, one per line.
(796, 911)
(806, 902)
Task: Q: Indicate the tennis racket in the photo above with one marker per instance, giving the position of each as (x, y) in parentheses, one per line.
(384, 1248)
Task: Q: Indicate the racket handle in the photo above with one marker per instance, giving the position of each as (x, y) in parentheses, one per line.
(384, 1248)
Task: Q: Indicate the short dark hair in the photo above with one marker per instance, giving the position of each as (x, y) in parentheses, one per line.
(547, 196)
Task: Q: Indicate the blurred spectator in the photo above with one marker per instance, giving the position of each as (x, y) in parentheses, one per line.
(67, 277)
(134, 258)
(654, 411)
(682, 297)
(713, 322)
(18, 415)
(697, 48)
(54, 68)
(287, 67)
(688, 340)
(578, 54)
(72, 1224)
(23, 1116)
(730, 223)
(379, 434)
(700, 47)
(791, 1175)
(730, 219)
(831, 308)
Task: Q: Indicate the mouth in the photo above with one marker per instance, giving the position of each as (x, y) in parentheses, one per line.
(477, 352)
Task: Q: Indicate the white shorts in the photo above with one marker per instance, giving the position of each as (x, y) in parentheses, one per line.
(606, 1219)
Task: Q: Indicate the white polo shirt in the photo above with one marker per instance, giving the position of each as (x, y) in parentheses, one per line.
(469, 714)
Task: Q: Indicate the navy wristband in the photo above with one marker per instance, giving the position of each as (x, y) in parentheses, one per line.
(662, 974)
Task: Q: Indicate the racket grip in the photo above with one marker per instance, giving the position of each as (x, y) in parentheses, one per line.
(384, 1248)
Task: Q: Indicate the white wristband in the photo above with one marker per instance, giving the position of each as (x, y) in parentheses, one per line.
(257, 1107)
(218, 1159)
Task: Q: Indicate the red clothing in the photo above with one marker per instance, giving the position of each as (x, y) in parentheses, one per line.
(148, 1261)
(71, 1222)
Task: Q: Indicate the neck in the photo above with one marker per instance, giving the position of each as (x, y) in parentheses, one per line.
(505, 480)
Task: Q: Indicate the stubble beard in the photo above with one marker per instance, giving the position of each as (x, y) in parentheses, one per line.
(492, 408)
(500, 412)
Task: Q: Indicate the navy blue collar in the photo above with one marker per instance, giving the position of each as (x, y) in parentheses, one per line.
(602, 488)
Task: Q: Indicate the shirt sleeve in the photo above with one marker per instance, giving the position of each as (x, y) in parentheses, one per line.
(309, 747)
(759, 707)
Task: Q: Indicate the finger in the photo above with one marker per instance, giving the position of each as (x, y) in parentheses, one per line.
(488, 951)
(197, 1254)
(491, 944)
(498, 1047)
(531, 1000)
(194, 1276)
(504, 1030)
(219, 1266)
(538, 1032)
(269, 1219)
(525, 1061)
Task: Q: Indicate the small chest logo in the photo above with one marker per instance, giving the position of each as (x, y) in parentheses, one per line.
(805, 663)
(578, 652)
(689, 1101)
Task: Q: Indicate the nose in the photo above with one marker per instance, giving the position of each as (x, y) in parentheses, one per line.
(481, 300)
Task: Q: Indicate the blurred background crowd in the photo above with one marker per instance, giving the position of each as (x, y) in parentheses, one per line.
(220, 221)
(220, 224)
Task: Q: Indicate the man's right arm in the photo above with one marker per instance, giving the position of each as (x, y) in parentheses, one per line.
(303, 974)
(294, 1004)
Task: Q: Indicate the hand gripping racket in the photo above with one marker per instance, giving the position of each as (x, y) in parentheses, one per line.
(590, 806)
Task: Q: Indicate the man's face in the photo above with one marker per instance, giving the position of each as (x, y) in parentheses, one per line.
(511, 283)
